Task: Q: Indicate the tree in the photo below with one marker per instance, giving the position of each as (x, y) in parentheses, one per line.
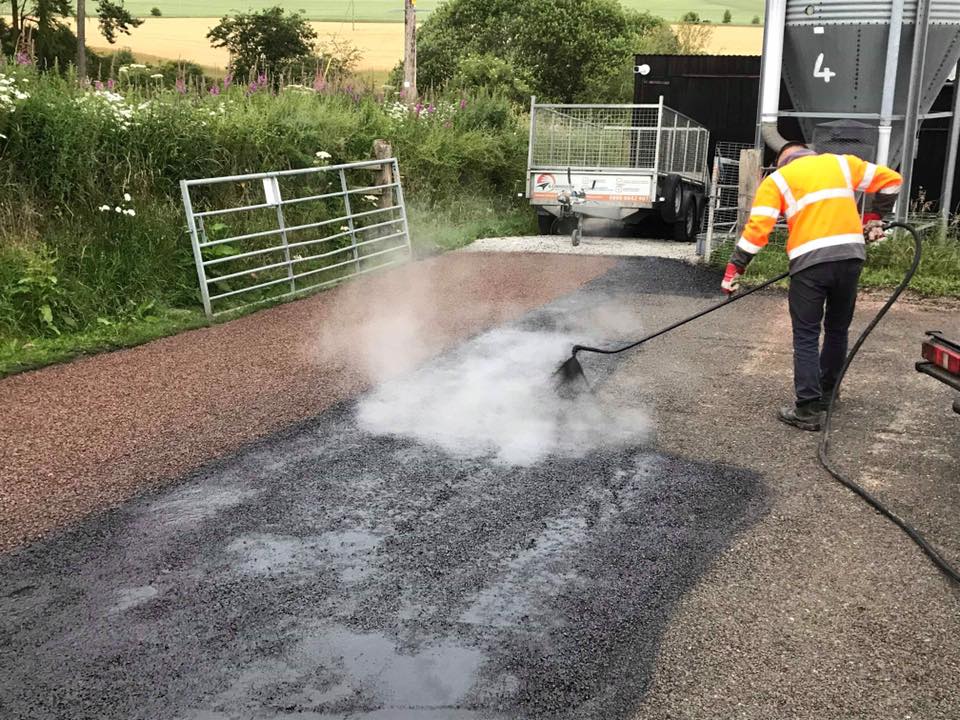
(727, 17)
(756, 20)
(265, 41)
(693, 38)
(567, 50)
(690, 17)
(114, 18)
(82, 40)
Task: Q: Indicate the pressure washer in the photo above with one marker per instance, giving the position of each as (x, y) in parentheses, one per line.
(571, 380)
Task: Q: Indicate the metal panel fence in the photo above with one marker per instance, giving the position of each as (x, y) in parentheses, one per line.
(266, 236)
(722, 229)
(653, 138)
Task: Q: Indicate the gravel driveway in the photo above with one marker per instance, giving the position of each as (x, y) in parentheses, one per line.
(664, 549)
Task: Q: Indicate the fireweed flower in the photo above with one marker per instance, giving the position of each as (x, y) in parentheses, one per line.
(181, 86)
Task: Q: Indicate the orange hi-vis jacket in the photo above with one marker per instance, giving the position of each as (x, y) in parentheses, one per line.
(817, 194)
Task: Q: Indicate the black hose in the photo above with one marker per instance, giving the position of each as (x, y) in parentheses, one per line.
(824, 448)
(674, 326)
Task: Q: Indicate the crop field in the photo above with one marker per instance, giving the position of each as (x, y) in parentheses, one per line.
(381, 43)
(392, 10)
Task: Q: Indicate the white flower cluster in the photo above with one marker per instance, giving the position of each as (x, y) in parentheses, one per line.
(397, 111)
(120, 210)
(114, 104)
(10, 94)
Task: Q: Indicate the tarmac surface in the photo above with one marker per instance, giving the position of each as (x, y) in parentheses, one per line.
(664, 549)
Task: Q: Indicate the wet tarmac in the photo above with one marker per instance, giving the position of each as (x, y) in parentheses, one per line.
(333, 571)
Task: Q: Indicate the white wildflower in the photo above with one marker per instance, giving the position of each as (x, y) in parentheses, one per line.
(344, 228)
(126, 197)
(370, 198)
(137, 66)
(324, 155)
(3, 137)
(131, 212)
(104, 208)
(157, 76)
(119, 209)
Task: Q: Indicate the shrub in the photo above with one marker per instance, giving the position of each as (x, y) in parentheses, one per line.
(155, 12)
(727, 16)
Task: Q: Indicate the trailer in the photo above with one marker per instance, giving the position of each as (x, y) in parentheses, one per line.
(625, 163)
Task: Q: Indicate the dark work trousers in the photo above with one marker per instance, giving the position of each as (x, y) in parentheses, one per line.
(831, 286)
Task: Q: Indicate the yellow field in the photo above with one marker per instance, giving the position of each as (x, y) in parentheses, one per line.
(186, 39)
(380, 43)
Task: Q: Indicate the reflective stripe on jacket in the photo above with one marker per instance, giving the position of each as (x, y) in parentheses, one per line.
(817, 196)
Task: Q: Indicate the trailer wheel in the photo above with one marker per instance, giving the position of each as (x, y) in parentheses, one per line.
(685, 229)
(546, 223)
(671, 205)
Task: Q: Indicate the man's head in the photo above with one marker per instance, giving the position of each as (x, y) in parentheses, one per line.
(792, 151)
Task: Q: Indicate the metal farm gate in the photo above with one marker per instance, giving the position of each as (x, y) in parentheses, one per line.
(266, 236)
(724, 214)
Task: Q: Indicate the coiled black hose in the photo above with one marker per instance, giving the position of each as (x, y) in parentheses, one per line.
(824, 450)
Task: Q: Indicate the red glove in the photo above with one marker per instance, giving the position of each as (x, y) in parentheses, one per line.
(873, 227)
(731, 279)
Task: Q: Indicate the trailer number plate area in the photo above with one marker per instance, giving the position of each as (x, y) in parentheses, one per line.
(599, 188)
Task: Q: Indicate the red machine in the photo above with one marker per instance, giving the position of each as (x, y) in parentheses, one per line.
(941, 360)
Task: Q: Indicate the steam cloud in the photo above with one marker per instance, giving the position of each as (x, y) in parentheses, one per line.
(494, 397)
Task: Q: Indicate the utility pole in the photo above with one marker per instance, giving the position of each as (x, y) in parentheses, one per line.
(410, 50)
(16, 26)
(82, 41)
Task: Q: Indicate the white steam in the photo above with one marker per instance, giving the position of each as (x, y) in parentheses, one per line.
(495, 397)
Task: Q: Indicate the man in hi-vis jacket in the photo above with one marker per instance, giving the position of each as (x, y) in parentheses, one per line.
(826, 249)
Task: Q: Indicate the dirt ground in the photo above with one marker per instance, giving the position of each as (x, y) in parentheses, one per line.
(704, 566)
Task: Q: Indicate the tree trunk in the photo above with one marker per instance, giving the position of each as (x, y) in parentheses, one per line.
(81, 41)
(16, 22)
(410, 51)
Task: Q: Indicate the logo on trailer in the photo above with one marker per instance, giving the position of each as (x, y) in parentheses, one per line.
(544, 182)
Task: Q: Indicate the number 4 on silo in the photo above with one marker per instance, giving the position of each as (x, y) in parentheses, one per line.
(822, 72)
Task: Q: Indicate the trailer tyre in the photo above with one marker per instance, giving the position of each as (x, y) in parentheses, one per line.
(685, 229)
(671, 192)
(546, 223)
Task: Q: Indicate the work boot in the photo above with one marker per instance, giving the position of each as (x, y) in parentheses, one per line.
(806, 416)
(825, 399)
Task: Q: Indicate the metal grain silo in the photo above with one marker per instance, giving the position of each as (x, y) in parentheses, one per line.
(860, 75)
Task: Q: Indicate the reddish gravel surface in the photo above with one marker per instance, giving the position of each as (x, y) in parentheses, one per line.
(86, 435)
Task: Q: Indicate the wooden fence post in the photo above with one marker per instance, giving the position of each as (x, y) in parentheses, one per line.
(748, 179)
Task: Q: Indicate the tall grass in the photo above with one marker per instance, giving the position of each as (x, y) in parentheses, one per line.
(71, 263)
(937, 276)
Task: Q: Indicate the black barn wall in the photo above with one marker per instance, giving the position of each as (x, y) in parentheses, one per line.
(720, 91)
